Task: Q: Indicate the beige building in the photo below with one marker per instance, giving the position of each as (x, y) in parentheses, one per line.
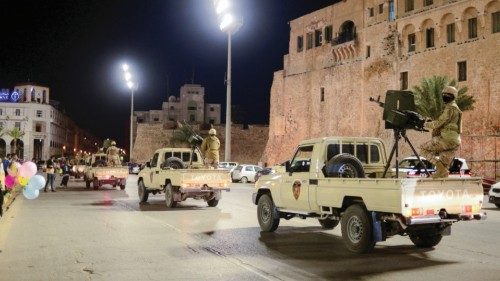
(343, 54)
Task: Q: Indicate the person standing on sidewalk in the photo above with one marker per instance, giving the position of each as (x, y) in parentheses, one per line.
(51, 175)
(65, 171)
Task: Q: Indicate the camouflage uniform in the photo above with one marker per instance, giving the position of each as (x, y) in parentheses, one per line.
(113, 154)
(440, 150)
(210, 149)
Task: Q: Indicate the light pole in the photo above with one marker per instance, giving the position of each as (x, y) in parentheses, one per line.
(229, 25)
(132, 86)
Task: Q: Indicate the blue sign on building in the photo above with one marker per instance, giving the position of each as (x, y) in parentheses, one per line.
(6, 96)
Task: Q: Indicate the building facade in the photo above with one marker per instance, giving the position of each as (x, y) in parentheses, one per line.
(47, 130)
(343, 54)
(190, 106)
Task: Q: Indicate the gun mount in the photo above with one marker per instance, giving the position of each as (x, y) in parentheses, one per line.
(194, 140)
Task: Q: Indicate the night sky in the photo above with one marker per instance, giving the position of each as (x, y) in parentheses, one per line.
(76, 48)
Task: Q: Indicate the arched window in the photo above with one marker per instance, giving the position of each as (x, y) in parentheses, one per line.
(18, 148)
(347, 32)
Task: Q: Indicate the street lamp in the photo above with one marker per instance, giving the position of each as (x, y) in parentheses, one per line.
(132, 86)
(229, 25)
(64, 149)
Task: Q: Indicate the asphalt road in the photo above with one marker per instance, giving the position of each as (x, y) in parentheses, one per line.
(80, 234)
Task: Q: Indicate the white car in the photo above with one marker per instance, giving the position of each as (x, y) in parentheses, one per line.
(227, 165)
(244, 173)
(494, 194)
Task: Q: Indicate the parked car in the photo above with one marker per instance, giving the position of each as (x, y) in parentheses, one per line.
(264, 171)
(494, 194)
(227, 165)
(244, 173)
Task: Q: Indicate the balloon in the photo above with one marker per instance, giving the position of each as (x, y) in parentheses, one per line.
(36, 182)
(10, 181)
(30, 194)
(28, 169)
(13, 168)
(22, 181)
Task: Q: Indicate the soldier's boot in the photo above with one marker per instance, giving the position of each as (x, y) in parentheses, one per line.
(441, 171)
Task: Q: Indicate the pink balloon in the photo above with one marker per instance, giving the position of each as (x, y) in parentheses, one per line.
(9, 181)
(27, 170)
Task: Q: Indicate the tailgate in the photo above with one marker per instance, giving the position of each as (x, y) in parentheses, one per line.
(108, 172)
(215, 179)
(460, 198)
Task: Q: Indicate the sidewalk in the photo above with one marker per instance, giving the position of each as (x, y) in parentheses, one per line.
(9, 199)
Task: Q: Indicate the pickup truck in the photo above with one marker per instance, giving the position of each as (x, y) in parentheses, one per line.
(173, 172)
(337, 179)
(98, 173)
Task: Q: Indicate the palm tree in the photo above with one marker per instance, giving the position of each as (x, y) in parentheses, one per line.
(181, 135)
(15, 134)
(428, 99)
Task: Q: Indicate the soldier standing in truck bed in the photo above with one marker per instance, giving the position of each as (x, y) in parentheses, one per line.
(113, 154)
(210, 149)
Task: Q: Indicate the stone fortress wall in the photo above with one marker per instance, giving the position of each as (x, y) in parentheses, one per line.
(325, 90)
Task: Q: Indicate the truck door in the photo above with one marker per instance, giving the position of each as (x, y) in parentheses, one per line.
(294, 190)
(153, 168)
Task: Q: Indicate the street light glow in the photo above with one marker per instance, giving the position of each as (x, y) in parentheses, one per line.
(130, 84)
(226, 22)
(125, 67)
(221, 6)
(128, 76)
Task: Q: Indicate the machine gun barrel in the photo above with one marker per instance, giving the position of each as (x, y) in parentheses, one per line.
(381, 104)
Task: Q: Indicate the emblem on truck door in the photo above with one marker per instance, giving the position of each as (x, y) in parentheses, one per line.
(296, 189)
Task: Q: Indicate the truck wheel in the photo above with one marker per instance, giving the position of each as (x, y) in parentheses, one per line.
(498, 205)
(174, 163)
(244, 180)
(328, 223)
(357, 230)
(344, 166)
(213, 202)
(169, 196)
(267, 214)
(122, 187)
(143, 192)
(425, 241)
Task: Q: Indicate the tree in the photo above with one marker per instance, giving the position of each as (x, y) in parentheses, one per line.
(428, 98)
(15, 134)
(181, 135)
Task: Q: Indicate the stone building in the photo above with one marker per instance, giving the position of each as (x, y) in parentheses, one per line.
(48, 131)
(343, 54)
(190, 106)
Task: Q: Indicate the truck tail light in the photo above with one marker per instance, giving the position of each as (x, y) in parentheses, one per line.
(468, 209)
(429, 212)
(416, 212)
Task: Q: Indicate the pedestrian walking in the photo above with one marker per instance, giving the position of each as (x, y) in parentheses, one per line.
(51, 175)
(65, 173)
(6, 163)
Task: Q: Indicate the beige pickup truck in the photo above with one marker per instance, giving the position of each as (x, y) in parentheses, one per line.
(337, 179)
(173, 172)
(97, 173)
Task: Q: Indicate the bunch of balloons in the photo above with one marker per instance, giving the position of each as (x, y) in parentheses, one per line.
(25, 175)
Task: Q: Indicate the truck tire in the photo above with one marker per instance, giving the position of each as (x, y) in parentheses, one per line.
(498, 205)
(169, 196)
(122, 187)
(244, 180)
(267, 214)
(357, 230)
(142, 192)
(213, 202)
(174, 163)
(425, 241)
(344, 166)
(328, 223)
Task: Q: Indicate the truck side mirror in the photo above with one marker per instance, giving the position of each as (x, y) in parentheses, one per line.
(287, 167)
(148, 165)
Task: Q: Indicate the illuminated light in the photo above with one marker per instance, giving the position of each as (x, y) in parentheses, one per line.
(468, 209)
(226, 22)
(125, 67)
(416, 212)
(128, 76)
(429, 212)
(221, 6)
(130, 84)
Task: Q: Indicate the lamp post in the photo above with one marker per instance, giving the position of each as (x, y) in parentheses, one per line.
(132, 86)
(229, 25)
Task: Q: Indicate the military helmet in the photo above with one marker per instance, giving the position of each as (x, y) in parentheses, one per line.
(113, 142)
(451, 91)
(212, 132)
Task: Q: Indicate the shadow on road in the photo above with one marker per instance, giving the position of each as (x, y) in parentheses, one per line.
(322, 254)
(160, 206)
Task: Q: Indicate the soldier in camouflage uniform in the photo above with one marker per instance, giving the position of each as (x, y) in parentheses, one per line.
(440, 150)
(113, 154)
(210, 149)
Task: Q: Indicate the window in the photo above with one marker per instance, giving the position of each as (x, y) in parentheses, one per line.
(332, 150)
(186, 156)
(212, 109)
(368, 51)
(370, 12)
(18, 112)
(408, 5)
(318, 37)
(462, 71)
(178, 154)
(172, 107)
(428, 2)
(18, 125)
(192, 118)
(472, 28)
(39, 113)
(348, 148)
(322, 94)
(362, 152)
(1, 111)
(156, 119)
(300, 44)
(411, 42)
(328, 34)
(403, 78)
(495, 22)
(392, 12)
(309, 38)
(38, 127)
(450, 33)
(302, 159)
(154, 161)
(381, 8)
(249, 168)
(374, 154)
(429, 37)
